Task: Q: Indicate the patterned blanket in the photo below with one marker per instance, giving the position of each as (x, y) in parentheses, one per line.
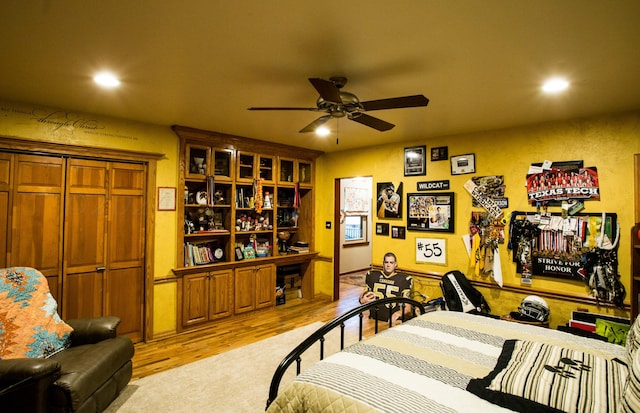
(29, 321)
(425, 364)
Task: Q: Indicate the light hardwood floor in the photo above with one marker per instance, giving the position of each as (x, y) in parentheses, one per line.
(156, 356)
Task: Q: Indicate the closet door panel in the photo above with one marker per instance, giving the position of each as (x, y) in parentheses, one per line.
(124, 300)
(126, 235)
(85, 247)
(36, 216)
(126, 232)
(6, 161)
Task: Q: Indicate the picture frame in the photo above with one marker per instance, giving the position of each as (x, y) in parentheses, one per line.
(398, 232)
(389, 200)
(239, 254)
(432, 211)
(415, 162)
(440, 153)
(382, 228)
(463, 164)
(166, 198)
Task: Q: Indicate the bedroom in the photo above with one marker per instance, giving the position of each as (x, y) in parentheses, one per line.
(602, 133)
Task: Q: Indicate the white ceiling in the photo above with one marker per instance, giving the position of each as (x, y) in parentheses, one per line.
(202, 63)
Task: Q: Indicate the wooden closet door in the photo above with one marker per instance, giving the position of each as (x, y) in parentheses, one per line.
(36, 216)
(6, 173)
(84, 238)
(126, 248)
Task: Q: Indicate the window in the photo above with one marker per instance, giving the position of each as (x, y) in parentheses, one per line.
(355, 228)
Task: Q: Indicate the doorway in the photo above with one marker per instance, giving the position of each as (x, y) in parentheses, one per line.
(352, 243)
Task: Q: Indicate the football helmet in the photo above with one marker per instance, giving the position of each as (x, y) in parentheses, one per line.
(534, 308)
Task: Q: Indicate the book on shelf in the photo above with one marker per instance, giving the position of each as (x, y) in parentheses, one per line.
(298, 247)
(197, 255)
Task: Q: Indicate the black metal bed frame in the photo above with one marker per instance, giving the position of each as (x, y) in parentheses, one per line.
(319, 334)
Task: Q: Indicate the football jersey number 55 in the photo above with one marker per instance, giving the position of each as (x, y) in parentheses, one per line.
(385, 290)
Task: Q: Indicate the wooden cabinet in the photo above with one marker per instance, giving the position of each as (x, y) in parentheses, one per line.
(206, 296)
(239, 195)
(254, 287)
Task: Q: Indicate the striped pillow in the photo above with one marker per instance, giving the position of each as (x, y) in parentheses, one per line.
(631, 396)
(633, 339)
(532, 376)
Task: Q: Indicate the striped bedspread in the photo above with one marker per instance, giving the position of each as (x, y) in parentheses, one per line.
(423, 365)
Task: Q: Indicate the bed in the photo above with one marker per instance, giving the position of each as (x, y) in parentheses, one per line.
(444, 361)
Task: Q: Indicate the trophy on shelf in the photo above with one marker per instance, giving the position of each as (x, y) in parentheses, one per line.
(197, 165)
(283, 237)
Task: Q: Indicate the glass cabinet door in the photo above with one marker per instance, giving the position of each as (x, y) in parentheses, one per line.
(246, 166)
(197, 161)
(304, 173)
(222, 164)
(286, 171)
(266, 165)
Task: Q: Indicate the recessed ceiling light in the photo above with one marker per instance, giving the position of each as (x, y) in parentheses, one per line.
(323, 131)
(106, 79)
(555, 85)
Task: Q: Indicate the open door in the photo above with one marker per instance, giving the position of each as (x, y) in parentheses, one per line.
(353, 227)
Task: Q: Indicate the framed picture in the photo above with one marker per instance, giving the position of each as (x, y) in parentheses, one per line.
(382, 228)
(434, 211)
(463, 164)
(166, 198)
(415, 160)
(431, 251)
(398, 232)
(389, 200)
(440, 153)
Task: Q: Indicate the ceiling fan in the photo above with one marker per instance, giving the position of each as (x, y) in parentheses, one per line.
(338, 103)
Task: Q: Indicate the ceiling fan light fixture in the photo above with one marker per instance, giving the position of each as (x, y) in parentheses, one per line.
(322, 131)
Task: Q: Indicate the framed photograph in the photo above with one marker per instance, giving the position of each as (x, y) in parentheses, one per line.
(166, 198)
(398, 232)
(434, 211)
(463, 164)
(440, 153)
(415, 162)
(239, 254)
(431, 251)
(382, 228)
(389, 200)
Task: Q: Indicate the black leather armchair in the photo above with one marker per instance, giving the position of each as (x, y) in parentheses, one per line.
(86, 377)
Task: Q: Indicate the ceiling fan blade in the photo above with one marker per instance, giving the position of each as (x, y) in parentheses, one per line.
(315, 124)
(395, 103)
(372, 122)
(327, 90)
(283, 108)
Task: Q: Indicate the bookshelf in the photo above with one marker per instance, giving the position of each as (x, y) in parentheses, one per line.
(242, 197)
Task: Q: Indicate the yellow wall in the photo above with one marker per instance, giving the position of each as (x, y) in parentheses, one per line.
(607, 143)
